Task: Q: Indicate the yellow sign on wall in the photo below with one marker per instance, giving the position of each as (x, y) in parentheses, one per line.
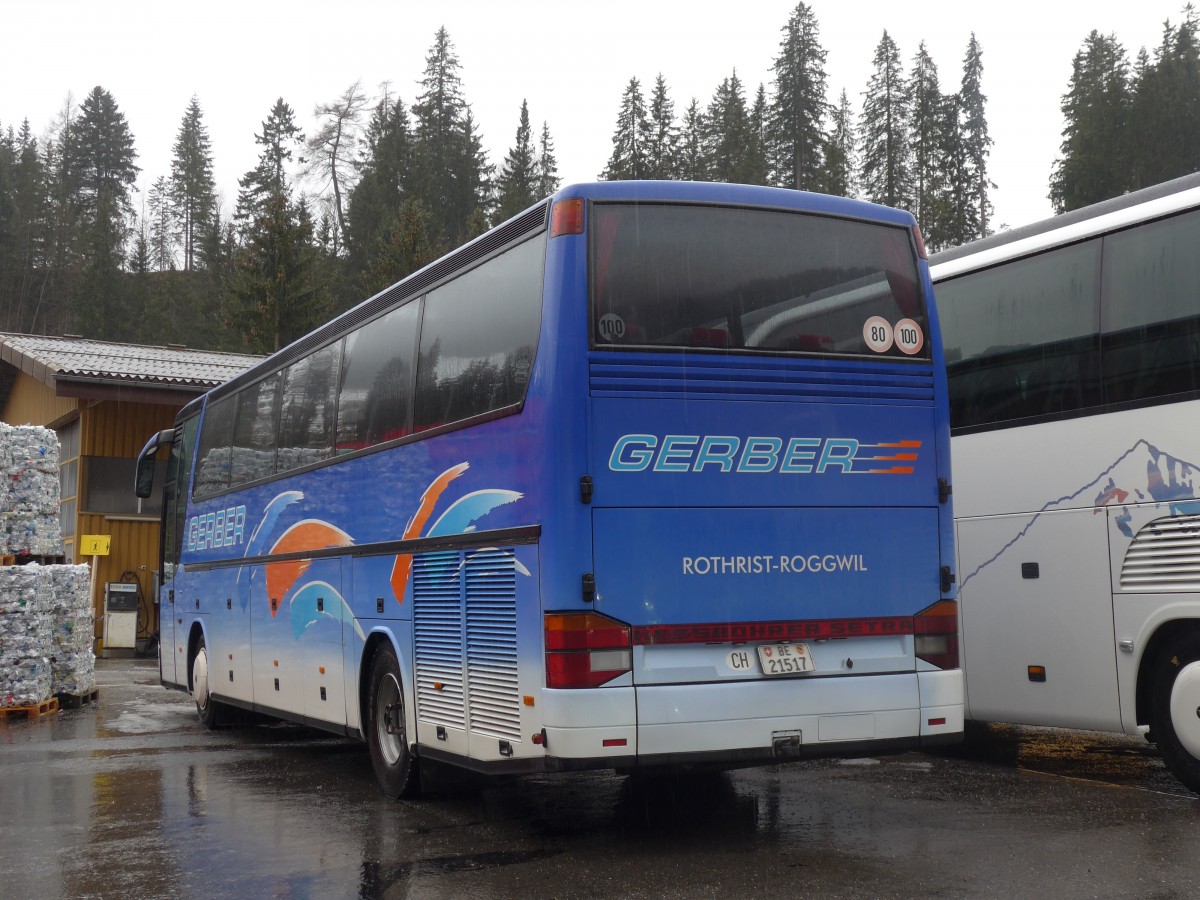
(94, 544)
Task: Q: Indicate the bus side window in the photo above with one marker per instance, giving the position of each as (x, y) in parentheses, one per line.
(216, 441)
(478, 338)
(306, 409)
(254, 431)
(375, 398)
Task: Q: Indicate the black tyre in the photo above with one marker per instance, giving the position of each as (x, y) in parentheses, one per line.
(387, 733)
(1175, 708)
(206, 706)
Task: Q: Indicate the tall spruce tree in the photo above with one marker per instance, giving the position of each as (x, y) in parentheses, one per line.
(161, 238)
(886, 174)
(192, 188)
(631, 139)
(1095, 110)
(60, 289)
(799, 105)
(976, 141)
(384, 184)
(100, 159)
(960, 221)
(663, 136)
(475, 177)
(758, 166)
(280, 139)
(23, 221)
(517, 184)
(547, 164)
(401, 248)
(929, 196)
(692, 157)
(453, 178)
(838, 174)
(276, 294)
(728, 139)
(1166, 104)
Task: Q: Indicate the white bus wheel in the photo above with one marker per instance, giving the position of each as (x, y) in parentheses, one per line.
(1175, 713)
(206, 706)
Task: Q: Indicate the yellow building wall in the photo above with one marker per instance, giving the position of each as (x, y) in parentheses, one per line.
(32, 403)
(111, 428)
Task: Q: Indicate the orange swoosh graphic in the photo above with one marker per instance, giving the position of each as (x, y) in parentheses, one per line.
(310, 535)
(429, 499)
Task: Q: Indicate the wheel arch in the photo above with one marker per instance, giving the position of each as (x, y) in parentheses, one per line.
(194, 635)
(374, 641)
(1163, 636)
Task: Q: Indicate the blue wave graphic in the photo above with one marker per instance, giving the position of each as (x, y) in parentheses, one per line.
(462, 515)
(305, 613)
(256, 545)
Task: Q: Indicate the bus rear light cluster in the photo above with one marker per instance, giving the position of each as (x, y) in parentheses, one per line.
(936, 630)
(585, 650)
(567, 217)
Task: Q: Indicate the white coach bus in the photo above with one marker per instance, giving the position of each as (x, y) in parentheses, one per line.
(1073, 352)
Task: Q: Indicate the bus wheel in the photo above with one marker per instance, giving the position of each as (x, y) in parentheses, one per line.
(1175, 716)
(206, 706)
(394, 765)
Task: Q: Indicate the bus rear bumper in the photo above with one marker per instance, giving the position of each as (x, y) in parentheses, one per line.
(753, 721)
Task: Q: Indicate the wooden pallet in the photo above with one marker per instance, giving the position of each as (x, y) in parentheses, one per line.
(24, 559)
(75, 701)
(45, 708)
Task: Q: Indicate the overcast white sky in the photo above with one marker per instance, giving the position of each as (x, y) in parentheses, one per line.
(571, 60)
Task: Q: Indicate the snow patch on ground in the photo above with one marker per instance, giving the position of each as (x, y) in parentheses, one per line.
(858, 762)
(152, 717)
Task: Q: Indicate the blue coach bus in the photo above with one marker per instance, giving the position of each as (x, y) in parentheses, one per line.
(651, 474)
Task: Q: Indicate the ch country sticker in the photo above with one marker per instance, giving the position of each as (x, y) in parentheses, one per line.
(759, 455)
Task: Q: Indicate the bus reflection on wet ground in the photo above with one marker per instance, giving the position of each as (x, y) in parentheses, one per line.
(132, 797)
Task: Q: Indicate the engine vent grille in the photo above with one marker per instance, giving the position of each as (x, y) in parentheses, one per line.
(1164, 557)
(437, 634)
(465, 636)
(494, 701)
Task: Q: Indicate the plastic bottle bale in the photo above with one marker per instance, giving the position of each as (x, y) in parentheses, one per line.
(29, 491)
(25, 673)
(72, 629)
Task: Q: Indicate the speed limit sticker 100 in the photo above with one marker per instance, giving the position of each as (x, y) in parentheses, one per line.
(880, 335)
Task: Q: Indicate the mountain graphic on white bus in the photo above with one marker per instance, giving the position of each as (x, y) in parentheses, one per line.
(1142, 474)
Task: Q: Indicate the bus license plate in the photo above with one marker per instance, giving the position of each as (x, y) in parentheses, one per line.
(785, 659)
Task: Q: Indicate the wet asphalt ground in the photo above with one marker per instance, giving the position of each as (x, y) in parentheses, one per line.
(132, 798)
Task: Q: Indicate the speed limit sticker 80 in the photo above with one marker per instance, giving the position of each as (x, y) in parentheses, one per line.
(880, 335)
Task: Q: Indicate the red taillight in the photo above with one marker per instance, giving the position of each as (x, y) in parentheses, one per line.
(936, 630)
(567, 217)
(585, 650)
(920, 238)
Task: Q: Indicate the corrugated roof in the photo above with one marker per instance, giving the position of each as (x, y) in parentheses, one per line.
(46, 357)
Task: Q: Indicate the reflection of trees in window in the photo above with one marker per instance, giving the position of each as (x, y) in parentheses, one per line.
(377, 370)
(306, 415)
(212, 470)
(478, 338)
(386, 410)
(254, 431)
(456, 389)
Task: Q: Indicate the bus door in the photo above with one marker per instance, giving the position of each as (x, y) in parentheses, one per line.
(182, 441)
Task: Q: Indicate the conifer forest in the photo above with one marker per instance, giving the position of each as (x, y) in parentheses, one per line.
(383, 184)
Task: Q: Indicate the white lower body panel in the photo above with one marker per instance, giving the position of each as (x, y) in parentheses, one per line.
(676, 720)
